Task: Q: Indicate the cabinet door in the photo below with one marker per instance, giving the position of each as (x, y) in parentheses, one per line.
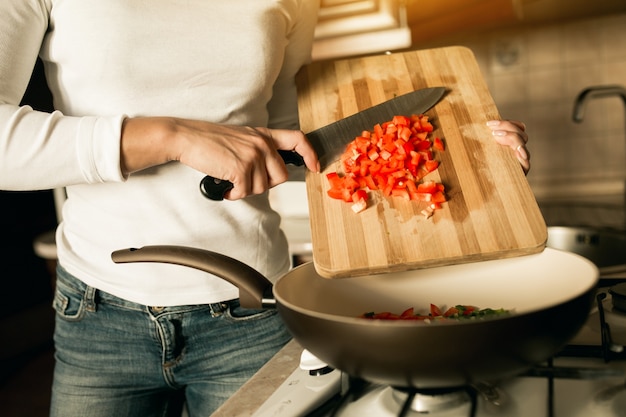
(359, 27)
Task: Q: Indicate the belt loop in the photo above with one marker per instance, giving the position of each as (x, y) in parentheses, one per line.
(217, 309)
(89, 298)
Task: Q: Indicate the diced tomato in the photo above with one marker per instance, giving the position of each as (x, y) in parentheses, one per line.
(393, 157)
(359, 206)
(370, 183)
(409, 312)
(373, 154)
(335, 193)
(423, 145)
(451, 312)
(387, 190)
(401, 121)
(404, 133)
(429, 187)
(389, 144)
(458, 312)
(400, 192)
(422, 196)
(438, 144)
(435, 310)
(468, 310)
(334, 179)
(361, 145)
(430, 166)
(359, 195)
(425, 124)
(438, 197)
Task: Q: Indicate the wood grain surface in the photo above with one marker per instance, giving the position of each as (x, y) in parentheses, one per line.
(491, 212)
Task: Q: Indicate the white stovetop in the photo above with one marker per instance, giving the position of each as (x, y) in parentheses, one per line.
(520, 397)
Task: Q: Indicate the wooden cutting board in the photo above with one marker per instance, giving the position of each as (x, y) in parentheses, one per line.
(491, 212)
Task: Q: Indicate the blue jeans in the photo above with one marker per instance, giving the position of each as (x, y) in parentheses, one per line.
(118, 358)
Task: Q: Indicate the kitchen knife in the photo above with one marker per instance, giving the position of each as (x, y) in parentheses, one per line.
(330, 141)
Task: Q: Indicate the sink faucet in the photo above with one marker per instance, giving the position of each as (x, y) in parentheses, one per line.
(599, 91)
(596, 92)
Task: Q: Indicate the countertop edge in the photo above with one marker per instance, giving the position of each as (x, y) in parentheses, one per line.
(260, 387)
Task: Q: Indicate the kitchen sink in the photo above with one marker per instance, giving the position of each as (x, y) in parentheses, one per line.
(604, 247)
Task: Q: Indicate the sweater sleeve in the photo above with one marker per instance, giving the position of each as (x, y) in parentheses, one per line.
(283, 108)
(41, 150)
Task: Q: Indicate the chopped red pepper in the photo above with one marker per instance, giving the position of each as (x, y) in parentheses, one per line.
(435, 310)
(359, 197)
(457, 312)
(438, 144)
(393, 157)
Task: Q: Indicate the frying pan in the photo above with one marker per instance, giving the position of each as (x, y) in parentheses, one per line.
(550, 295)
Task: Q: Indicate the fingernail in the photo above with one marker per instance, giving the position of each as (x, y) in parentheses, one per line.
(499, 133)
(524, 164)
(493, 122)
(522, 153)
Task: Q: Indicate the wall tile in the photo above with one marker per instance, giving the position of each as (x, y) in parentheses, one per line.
(545, 47)
(508, 52)
(613, 41)
(510, 87)
(615, 109)
(545, 83)
(615, 155)
(581, 41)
(614, 71)
(535, 75)
(580, 76)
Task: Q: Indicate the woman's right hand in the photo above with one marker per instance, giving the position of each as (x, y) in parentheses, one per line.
(245, 156)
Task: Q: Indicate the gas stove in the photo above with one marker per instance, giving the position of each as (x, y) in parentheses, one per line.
(587, 378)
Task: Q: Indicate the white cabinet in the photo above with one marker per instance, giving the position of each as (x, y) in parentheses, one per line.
(359, 27)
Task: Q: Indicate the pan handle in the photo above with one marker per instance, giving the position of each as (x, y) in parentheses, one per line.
(255, 291)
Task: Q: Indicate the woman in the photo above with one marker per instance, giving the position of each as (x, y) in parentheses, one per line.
(150, 97)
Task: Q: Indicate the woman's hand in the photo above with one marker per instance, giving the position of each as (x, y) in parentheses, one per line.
(512, 133)
(243, 155)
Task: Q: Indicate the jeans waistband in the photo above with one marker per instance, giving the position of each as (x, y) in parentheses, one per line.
(93, 296)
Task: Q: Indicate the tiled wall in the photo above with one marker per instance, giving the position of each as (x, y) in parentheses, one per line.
(534, 74)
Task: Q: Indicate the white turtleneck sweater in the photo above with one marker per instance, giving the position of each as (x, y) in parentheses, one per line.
(222, 61)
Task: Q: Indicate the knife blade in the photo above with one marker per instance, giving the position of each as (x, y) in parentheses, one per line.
(329, 142)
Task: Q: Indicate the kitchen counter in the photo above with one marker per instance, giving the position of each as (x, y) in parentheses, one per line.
(253, 393)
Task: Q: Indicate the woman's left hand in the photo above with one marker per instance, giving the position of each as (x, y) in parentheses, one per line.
(512, 133)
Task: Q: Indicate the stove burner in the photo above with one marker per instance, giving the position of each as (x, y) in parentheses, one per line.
(432, 400)
(404, 402)
(360, 396)
(609, 395)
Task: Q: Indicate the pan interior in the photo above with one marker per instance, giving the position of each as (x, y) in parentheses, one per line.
(521, 284)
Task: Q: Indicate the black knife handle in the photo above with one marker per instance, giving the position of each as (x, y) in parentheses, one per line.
(291, 157)
(215, 189)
